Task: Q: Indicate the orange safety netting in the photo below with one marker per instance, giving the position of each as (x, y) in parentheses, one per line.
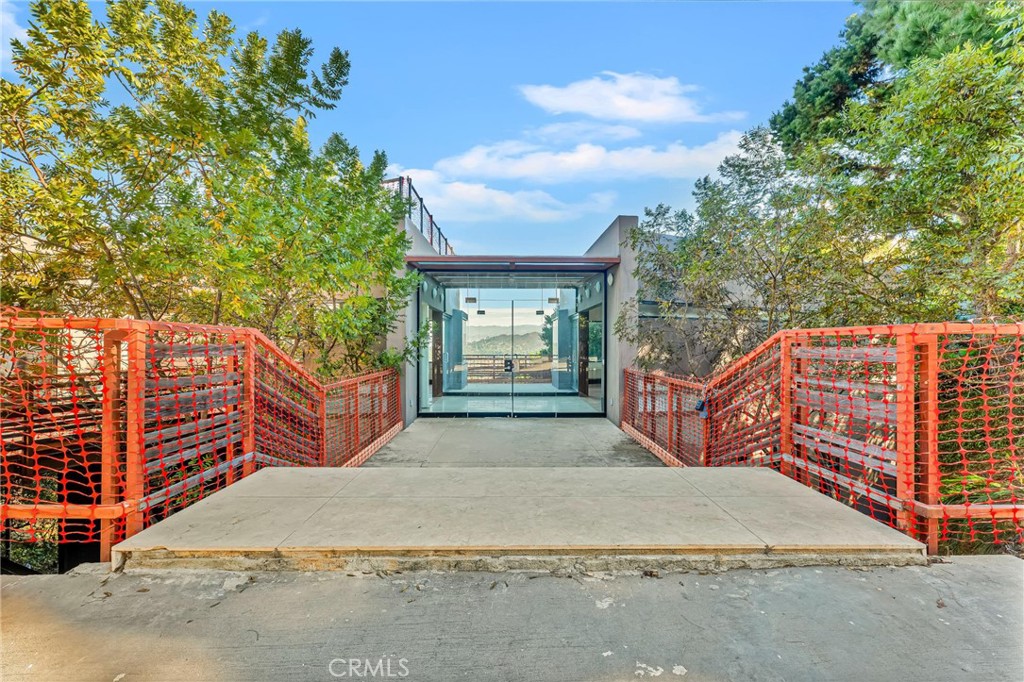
(111, 425)
(919, 426)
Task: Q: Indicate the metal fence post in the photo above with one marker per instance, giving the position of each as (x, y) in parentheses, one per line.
(323, 425)
(379, 389)
(111, 434)
(670, 413)
(135, 432)
(249, 391)
(356, 385)
(799, 414)
(786, 404)
(644, 420)
(231, 448)
(905, 428)
(928, 431)
(400, 415)
(706, 432)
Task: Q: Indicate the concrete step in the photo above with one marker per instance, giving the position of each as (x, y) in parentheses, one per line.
(534, 519)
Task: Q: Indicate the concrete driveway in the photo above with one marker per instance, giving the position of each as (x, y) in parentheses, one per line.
(960, 620)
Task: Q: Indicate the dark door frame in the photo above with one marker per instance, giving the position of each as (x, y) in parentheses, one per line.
(436, 353)
(583, 353)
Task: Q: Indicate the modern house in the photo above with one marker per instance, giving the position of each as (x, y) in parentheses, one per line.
(515, 336)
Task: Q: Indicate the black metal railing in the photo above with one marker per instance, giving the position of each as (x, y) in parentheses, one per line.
(420, 216)
(529, 369)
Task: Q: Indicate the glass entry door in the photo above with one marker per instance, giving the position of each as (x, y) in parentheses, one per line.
(545, 358)
(488, 352)
(514, 350)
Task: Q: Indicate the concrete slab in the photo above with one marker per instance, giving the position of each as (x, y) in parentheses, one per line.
(960, 620)
(319, 482)
(516, 518)
(788, 523)
(758, 481)
(507, 441)
(229, 521)
(521, 525)
(559, 482)
(512, 443)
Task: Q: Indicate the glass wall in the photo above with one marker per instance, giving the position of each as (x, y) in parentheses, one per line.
(512, 345)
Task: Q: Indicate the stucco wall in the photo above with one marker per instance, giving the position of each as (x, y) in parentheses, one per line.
(618, 354)
(405, 330)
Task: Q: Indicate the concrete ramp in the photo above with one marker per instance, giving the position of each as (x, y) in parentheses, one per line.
(594, 519)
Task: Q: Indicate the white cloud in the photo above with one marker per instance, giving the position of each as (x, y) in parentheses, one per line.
(9, 30)
(615, 96)
(585, 150)
(583, 131)
(456, 201)
(518, 160)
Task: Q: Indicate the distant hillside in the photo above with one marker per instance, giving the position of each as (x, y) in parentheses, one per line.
(501, 344)
(479, 332)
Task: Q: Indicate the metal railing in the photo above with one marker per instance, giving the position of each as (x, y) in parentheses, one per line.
(529, 369)
(918, 426)
(111, 425)
(420, 217)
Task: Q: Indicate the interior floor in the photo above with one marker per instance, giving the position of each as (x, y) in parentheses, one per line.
(498, 389)
(522, 404)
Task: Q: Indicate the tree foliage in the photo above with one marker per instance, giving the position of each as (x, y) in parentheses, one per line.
(744, 264)
(882, 40)
(931, 219)
(547, 334)
(159, 167)
(910, 210)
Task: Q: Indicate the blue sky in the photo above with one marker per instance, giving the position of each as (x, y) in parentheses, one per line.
(528, 127)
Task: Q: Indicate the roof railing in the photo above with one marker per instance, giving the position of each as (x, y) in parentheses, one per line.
(420, 216)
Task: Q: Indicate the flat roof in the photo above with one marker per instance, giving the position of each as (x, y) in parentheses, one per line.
(436, 263)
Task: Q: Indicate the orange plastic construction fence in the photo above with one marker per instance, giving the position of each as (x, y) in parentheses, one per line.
(919, 426)
(107, 426)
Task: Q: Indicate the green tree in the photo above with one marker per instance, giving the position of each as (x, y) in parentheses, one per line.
(928, 187)
(595, 340)
(877, 44)
(547, 334)
(159, 167)
(910, 212)
(842, 73)
(743, 265)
